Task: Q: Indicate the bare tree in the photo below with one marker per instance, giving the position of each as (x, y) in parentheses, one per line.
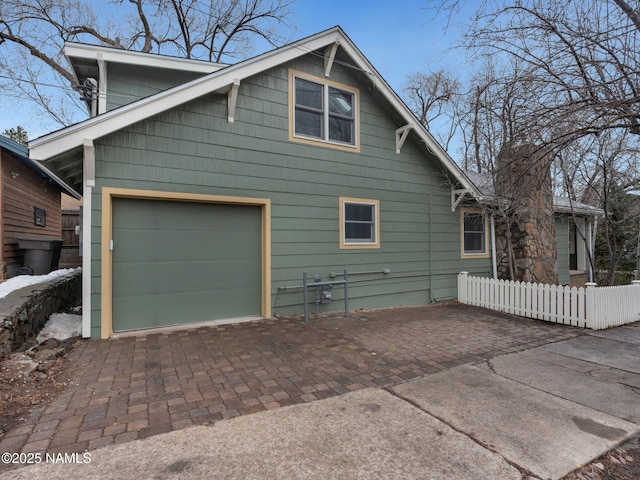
(33, 32)
(434, 98)
(603, 170)
(569, 82)
(499, 110)
(582, 56)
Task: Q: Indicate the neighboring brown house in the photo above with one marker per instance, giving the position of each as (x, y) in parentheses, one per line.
(70, 255)
(30, 203)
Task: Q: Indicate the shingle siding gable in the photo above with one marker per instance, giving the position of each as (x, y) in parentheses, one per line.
(129, 83)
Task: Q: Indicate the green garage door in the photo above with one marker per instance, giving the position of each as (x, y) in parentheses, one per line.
(181, 262)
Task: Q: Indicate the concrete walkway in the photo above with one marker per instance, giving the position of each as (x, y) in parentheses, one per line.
(549, 410)
(467, 395)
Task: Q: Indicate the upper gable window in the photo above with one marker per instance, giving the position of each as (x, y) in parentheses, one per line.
(323, 112)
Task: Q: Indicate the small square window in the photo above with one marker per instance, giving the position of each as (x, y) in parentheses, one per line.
(359, 223)
(474, 233)
(39, 217)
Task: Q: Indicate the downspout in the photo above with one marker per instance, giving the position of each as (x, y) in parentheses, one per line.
(494, 261)
(88, 180)
(588, 227)
(592, 241)
(430, 237)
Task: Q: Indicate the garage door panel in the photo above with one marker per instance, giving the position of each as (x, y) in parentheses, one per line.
(152, 214)
(147, 312)
(180, 262)
(165, 277)
(133, 246)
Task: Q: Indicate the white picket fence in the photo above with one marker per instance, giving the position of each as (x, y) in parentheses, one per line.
(590, 306)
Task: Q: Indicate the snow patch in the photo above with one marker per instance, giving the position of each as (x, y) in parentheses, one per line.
(21, 281)
(61, 326)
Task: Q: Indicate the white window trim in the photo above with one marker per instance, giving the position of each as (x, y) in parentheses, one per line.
(486, 253)
(309, 140)
(362, 201)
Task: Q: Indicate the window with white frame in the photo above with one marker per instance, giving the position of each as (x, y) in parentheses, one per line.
(359, 223)
(324, 112)
(474, 233)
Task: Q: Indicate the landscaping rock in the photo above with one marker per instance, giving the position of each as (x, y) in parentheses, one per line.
(22, 363)
(49, 354)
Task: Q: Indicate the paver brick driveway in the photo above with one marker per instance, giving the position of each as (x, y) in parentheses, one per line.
(134, 387)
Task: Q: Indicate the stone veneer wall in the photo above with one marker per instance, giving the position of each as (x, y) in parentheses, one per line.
(523, 182)
(24, 312)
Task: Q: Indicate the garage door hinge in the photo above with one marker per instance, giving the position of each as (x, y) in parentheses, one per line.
(111, 245)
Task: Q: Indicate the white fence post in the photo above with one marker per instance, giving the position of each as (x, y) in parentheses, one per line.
(462, 287)
(636, 304)
(590, 304)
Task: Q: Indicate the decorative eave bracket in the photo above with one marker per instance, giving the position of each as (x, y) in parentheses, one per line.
(232, 99)
(329, 57)
(457, 196)
(89, 163)
(102, 84)
(401, 135)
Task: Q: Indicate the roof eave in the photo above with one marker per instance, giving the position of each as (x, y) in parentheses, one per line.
(582, 211)
(109, 54)
(577, 210)
(54, 178)
(57, 143)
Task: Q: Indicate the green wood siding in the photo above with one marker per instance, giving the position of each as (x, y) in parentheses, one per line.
(193, 149)
(562, 243)
(128, 83)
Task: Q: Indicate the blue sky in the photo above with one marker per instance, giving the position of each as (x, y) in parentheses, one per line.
(398, 38)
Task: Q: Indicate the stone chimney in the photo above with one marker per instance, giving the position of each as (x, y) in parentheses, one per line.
(525, 224)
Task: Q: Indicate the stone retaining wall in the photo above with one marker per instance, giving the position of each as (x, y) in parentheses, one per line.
(24, 312)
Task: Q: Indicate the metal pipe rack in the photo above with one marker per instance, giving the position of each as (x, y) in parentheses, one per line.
(306, 285)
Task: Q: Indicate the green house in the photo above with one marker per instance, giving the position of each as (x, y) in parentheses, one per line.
(210, 189)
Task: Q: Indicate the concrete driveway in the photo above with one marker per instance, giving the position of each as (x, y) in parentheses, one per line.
(550, 409)
(514, 398)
